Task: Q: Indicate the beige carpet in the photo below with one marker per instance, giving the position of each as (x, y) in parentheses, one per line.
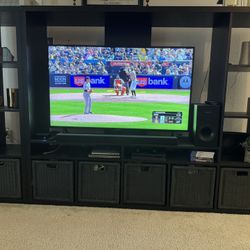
(27, 227)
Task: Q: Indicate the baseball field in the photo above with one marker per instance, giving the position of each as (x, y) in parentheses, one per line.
(111, 111)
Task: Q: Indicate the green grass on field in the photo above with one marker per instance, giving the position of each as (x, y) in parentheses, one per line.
(125, 109)
(110, 90)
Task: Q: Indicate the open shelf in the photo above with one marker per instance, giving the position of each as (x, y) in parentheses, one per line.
(234, 164)
(66, 153)
(9, 64)
(238, 68)
(239, 115)
(10, 150)
(6, 109)
(184, 157)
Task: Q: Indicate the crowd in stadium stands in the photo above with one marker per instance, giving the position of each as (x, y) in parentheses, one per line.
(98, 60)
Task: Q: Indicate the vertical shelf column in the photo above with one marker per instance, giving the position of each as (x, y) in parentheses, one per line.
(219, 62)
(21, 34)
(2, 115)
(219, 57)
(220, 49)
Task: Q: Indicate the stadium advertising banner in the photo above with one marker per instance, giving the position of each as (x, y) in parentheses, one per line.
(146, 82)
(96, 81)
(59, 80)
(100, 81)
(155, 82)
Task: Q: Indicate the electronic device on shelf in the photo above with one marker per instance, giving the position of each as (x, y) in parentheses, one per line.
(124, 92)
(202, 156)
(148, 154)
(105, 152)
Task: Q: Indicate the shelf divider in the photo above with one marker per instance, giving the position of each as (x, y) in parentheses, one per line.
(7, 109)
(238, 68)
(9, 64)
(237, 115)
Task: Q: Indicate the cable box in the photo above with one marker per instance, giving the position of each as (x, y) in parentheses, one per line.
(105, 153)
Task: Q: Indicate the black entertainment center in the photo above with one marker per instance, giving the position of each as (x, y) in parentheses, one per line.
(148, 171)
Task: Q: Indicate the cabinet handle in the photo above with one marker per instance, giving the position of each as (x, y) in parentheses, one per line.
(98, 168)
(51, 165)
(144, 168)
(193, 171)
(242, 173)
(2, 164)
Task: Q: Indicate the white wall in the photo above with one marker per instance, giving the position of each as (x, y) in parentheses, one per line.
(238, 89)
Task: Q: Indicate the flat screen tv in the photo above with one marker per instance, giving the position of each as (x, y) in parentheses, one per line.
(120, 87)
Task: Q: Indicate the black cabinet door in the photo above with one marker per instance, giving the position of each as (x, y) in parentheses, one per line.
(145, 184)
(192, 186)
(53, 180)
(99, 182)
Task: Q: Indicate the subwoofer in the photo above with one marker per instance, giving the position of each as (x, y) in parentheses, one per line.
(206, 124)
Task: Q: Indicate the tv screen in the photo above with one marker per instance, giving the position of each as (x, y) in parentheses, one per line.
(124, 88)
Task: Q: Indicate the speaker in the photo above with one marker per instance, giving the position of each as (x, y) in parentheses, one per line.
(206, 124)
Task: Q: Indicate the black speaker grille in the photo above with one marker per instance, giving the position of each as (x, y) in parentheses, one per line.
(206, 124)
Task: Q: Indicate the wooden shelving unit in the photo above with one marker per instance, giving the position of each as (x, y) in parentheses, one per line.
(31, 26)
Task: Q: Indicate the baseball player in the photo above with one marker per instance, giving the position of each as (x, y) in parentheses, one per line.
(119, 85)
(133, 79)
(87, 96)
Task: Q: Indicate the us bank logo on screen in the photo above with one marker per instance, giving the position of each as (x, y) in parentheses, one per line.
(79, 80)
(142, 81)
(96, 81)
(155, 82)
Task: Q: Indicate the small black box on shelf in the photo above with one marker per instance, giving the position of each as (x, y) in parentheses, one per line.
(234, 188)
(99, 182)
(10, 180)
(192, 186)
(145, 183)
(53, 180)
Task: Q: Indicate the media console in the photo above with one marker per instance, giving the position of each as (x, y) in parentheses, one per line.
(151, 172)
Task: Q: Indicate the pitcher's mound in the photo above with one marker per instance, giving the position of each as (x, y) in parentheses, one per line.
(96, 118)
